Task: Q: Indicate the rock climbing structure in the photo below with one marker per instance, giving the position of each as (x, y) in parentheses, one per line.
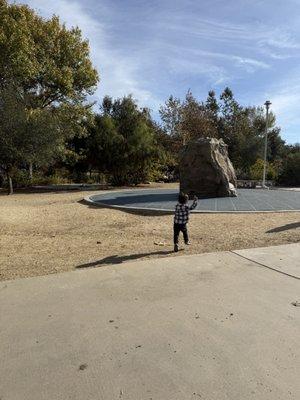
(206, 170)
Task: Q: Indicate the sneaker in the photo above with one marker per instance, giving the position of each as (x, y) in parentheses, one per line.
(176, 248)
(188, 243)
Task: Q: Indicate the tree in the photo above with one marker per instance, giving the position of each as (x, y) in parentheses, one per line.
(30, 136)
(122, 142)
(196, 120)
(243, 129)
(170, 114)
(256, 170)
(188, 120)
(290, 172)
(232, 118)
(49, 68)
(50, 62)
(213, 109)
(12, 120)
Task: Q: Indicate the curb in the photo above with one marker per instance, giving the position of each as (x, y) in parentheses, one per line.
(151, 210)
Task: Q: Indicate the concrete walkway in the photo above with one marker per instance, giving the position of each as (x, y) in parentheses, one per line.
(212, 326)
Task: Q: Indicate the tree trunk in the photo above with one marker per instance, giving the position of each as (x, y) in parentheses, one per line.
(30, 171)
(10, 184)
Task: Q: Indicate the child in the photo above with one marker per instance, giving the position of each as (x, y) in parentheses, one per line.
(181, 218)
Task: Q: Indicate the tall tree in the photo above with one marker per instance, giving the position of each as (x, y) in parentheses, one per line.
(241, 128)
(12, 120)
(170, 114)
(213, 108)
(290, 169)
(188, 120)
(197, 120)
(50, 62)
(49, 67)
(123, 143)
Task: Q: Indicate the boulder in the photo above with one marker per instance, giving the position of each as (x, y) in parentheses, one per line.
(206, 170)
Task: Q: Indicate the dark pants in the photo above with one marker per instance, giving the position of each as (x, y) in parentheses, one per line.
(180, 228)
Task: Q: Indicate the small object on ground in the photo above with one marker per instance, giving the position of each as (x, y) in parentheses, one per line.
(82, 367)
(159, 243)
(111, 321)
(176, 248)
(296, 303)
(98, 242)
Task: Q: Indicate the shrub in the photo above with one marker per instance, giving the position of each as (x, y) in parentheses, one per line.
(256, 170)
(290, 173)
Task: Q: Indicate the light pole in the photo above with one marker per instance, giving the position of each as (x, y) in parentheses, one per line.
(267, 104)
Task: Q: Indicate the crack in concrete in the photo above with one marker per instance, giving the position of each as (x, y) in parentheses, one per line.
(265, 266)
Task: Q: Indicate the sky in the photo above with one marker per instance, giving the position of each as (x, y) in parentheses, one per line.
(152, 49)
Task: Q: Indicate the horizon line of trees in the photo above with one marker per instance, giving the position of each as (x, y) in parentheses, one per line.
(49, 131)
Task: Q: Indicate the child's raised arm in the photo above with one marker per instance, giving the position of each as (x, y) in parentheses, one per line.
(195, 202)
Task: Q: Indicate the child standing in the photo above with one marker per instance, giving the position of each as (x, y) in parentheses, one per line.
(181, 218)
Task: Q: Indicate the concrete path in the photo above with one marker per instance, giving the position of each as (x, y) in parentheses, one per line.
(277, 257)
(212, 326)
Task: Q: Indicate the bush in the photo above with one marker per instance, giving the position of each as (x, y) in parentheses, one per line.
(256, 171)
(21, 179)
(290, 173)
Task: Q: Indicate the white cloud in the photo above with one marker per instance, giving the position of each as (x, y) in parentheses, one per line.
(285, 98)
(251, 36)
(250, 64)
(119, 75)
(280, 40)
(188, 66)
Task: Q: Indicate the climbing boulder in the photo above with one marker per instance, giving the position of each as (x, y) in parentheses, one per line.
(206, 170)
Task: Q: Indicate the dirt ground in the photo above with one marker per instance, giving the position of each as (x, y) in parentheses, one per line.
(47, 233)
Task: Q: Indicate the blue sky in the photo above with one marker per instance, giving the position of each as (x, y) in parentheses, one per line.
(156, 48)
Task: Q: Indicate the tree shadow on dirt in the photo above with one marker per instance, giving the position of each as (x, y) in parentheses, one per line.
(286, 227)
(133, 211)
(115, 259)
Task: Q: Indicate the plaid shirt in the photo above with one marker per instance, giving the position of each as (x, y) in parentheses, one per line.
(182, 212)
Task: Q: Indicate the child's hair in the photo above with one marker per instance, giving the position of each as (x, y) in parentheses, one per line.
(183, 198)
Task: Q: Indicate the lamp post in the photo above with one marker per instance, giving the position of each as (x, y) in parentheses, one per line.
(267, 104)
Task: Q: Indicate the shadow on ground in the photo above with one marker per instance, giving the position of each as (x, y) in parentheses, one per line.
(134, 211)
(127, 198)
(115, 259)
(286, 227)
(56, 190)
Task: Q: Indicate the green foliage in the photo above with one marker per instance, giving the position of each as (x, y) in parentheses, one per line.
(42, 56)
(122, 142)
(241, 128)
(170, 114)
(12, 119)
(22, 179)
(290, 173)
(256, 170)
(190, 119)
(45, 76)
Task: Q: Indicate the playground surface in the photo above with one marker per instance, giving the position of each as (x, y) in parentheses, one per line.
(46, 233)
(213, 326)
(248, 200)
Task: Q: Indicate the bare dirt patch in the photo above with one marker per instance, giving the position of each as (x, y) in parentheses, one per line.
(53, 232)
